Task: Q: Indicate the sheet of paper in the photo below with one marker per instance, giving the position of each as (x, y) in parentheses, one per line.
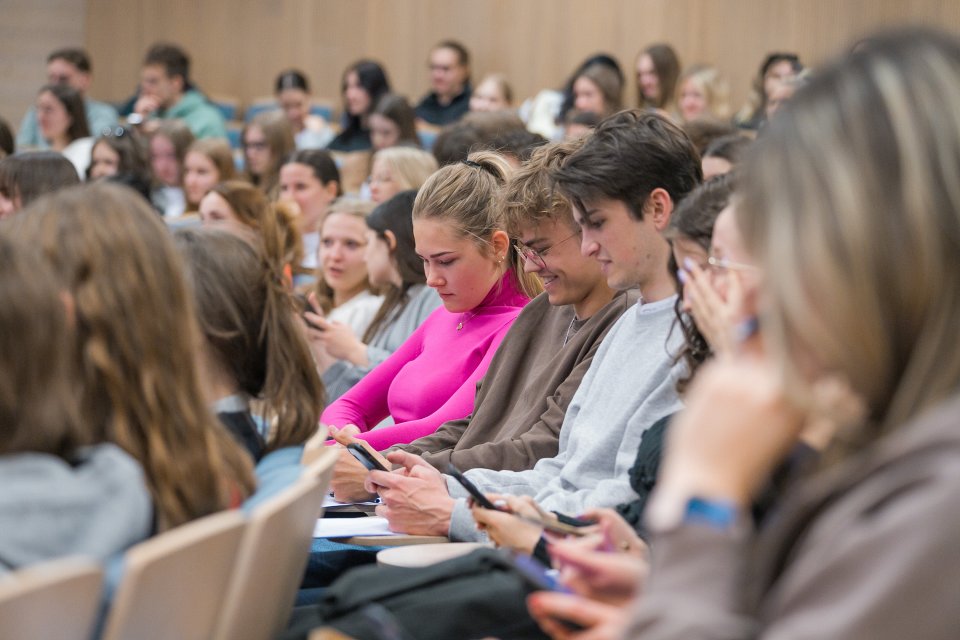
(346, 527)
(331, 502)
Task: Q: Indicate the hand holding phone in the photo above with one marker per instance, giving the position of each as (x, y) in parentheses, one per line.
(472, 489)
(365, 458)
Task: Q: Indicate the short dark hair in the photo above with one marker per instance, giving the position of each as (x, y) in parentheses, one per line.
(630, 154)
(463, 56)
(518, 143)
(730, 147)
(320, 162)
(30, 175)
(396, 109)
(75, 56)
(172, 58)
(292, 79)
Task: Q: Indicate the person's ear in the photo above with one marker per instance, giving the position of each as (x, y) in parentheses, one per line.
(331, 189)
(659, 208)
(391, 240)
(500, 242)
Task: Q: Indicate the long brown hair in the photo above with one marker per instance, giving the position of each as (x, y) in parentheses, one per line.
(136, 343)
(38, 401)
(279, 138)
(275, 222)
(246, 313)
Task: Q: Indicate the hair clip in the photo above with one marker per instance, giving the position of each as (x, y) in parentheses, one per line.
(471, 163)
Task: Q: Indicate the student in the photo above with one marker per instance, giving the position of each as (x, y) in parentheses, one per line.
(343, 293)
(394, 267)
(622, 184)
(254, 348)
(397, 169)
(777, 69)
(449, 97)
(723, 154)
(135, 343)
(520, 404)
(60, 495)
(492, 94)
(364, 83)
(237, 205)
(166, 93)
(311, 180)
(846, 556)
(598, 89)
(702, 94)
(27, 176)
(267, 140)
(292, 91)
(167, 150)
(469, 260)
(206, 163)
(70, 67)
(658, 68)
(118, 152)
(392, 123)
(63, 124)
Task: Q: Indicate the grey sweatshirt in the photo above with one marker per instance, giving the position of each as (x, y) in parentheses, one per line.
(341, 377)
(631, 383)
(97, 507)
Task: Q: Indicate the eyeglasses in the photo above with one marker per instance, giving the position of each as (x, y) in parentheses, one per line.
(113, 132)
(537, 255)
(723, 263)
(255, 145)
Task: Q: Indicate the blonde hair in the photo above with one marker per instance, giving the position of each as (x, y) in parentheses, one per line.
(135, 348)
(410, 167)
(714, 87)
(359, 209)
(860, 242)
(466, 195)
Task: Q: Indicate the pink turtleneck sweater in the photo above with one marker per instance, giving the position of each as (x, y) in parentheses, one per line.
(432, 377)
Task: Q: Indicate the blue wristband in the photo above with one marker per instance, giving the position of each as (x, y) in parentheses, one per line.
(713, 513)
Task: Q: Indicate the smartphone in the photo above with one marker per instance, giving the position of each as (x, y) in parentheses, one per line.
(304, 303)
(563, 528)
(478, 497)
(365, 458)
(542, 578)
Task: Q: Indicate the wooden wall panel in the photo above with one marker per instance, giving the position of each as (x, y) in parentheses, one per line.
(29, 30)
(238, 46)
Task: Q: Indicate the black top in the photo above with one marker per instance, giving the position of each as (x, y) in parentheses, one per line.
(430, 109)
(241, 426)
(351, 140)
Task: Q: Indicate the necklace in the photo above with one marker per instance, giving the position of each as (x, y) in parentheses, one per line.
(469, 317)
(566, 336)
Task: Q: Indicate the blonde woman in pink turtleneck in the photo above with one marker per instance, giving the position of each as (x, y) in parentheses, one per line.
(468, 258)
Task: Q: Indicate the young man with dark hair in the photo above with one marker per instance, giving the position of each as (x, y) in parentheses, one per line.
(69, 66)
(623, 183)
(520, 403)
(166, 93)
(449, 97)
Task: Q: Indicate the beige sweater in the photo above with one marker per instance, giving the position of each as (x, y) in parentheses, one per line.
(521, 401)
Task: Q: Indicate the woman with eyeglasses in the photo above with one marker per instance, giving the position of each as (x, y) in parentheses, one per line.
(468, 259)
(62, 119)
(266, 140)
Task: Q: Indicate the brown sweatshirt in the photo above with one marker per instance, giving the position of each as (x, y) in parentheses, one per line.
(521, 401)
